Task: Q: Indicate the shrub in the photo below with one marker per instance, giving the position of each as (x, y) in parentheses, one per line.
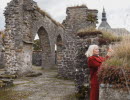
(121, 54)
(116, 70)
(92, 18)
(37, 45)
(117, 76)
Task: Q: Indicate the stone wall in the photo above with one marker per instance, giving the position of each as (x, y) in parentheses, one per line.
(76, 18)
(37, 58)
(2, 61)
(109, 93)
(24, 20)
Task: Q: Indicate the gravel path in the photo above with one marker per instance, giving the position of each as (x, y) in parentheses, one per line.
(44, 87)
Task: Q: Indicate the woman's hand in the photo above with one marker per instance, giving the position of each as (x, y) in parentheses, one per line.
(109, 52)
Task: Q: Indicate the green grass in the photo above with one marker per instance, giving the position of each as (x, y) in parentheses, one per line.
(8, 94)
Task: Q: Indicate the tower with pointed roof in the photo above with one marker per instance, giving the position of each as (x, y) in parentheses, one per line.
(104, 23)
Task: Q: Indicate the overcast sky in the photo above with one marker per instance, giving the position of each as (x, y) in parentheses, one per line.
(118, 11)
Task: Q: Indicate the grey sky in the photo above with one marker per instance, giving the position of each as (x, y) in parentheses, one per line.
(118, 11)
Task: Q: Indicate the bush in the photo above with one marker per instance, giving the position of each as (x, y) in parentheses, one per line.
(37, 45)
(116, 70)
(118, 77)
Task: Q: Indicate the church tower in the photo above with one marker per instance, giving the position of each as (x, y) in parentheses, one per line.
(104, 23)
(104, 15)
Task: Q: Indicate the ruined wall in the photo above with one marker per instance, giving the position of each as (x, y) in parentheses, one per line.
(2, 61)
(76, 18)
(69, 61)
(109, 93)
(24, 20)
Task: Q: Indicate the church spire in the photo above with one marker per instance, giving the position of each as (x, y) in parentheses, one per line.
(104, 23)
(104, 15)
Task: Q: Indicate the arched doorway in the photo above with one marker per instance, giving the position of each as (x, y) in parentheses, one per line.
(45, 48)
(58, 48)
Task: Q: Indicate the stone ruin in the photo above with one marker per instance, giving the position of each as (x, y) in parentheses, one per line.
(24, 19)
(76, 19)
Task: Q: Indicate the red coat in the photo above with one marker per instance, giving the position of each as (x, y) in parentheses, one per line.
(94, 62)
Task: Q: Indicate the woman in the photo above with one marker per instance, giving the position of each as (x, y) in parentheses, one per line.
(94, 62)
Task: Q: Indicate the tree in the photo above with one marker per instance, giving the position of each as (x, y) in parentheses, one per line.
(37, 45)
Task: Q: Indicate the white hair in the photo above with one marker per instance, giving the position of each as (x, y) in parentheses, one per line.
(89, 52)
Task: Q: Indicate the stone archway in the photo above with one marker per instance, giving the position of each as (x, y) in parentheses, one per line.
(46, 48)
(58, 48)
(59, 43)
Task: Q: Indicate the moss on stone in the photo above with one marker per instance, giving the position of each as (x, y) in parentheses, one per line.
(83, 92)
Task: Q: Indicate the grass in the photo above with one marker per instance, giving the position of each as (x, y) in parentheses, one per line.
(104, 37)
(87, 32)
(121, 54)
(78, 6)
(116, 70)
(2, 66)
(110, 36)
(8, 94)
(62, 78)
(71, 97)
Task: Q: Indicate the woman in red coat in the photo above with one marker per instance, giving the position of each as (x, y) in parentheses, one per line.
(94, 62)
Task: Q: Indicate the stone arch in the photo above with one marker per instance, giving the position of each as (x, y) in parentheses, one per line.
(46, 31)
(59, 43)
(46, 48)
(59, 47)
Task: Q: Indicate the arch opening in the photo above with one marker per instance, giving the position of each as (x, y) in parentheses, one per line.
(42, 50)
(58, 48)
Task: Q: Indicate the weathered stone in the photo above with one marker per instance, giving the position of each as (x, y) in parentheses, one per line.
(34, 74)
(37, 58)
(109, 93)
(23, 21)
(6, 76)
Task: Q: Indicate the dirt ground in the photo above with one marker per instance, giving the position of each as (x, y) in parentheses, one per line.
(44, 87)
